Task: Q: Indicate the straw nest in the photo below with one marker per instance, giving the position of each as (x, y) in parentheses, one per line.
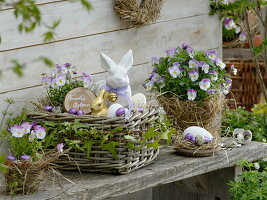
(24, 177)
(138, 12)
(206, 114)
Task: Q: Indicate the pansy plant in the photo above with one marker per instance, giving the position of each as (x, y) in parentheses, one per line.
(191, 75)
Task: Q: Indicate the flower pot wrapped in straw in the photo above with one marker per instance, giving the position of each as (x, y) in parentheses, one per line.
(191, 87)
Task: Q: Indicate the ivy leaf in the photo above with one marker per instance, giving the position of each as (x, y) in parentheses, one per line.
(151, 133)
(115, 130)
(111, 148)
(55, 24)
(167, 135)
(154, 145)
(86, 4)
(46, 61)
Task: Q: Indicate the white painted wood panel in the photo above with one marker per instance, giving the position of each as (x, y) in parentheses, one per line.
(200, 31)
(77, 22)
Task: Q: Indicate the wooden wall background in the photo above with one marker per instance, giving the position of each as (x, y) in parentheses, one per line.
(81, 36)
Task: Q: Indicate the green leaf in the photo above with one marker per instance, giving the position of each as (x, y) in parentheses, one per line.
(88, 146)
(55, 24)
(129, 137)
(48, 36)
(167, 135)
(154, 145)
(17, 67)
(2, 159)
(86, 4)
(111, 148)
(46, 61)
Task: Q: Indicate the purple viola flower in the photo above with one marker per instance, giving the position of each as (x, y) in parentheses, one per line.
(174, 71)
(204, 84)
(214, 75)
(242, 36)
(193, 63)
(27, 127)
(149, 85)
(176, 64)
(211, 91)
(154, 77)
(154, 60)
(60, 79)
(60, 147)
(17, 131)
(46, 81)
(193, 75)
(53, 73)
(185, 46)
(204, 66)
(67, 64)
(190, 51)
(181, 69)
(229, 23)
(11, 158)
(25, 157)
(211, 54)
(190, 137)
(87, 80)
(171, 52)
(62, 70)
(191, 94)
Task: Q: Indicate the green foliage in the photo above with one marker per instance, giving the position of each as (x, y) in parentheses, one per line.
(3, 167)
(240, 118)
(251, 185)
(79, 136)
(46, 61)
(228, 35)
(17, 67)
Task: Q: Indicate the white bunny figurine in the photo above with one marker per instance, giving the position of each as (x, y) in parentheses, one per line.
(117, 79)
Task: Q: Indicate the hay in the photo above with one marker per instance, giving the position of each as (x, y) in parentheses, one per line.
(25, 177)
(138, 13)
(189, 113)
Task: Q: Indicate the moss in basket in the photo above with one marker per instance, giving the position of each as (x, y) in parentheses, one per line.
(62, 80)
(79, 136)
(189, 74)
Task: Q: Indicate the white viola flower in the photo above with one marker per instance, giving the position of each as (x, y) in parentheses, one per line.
(154, 77)
(193, 63)
(27, 127)
(155, 60)
(191, 94)
(54, 83)
(233, 69)
(60, 147)
(174, 71)
(17, 131)
(214, 75)
(149, 85)
(204, 84)
(46, 81)
(237, 30)
(242, 36)
(204, 66)
(193, 75)
(62, 70)
(211, 54)
(257, 166)
(226, 86)
(53, 73)
(229, 23)
(32, 136)
(219, 63)
(61, 80)
(40, 132)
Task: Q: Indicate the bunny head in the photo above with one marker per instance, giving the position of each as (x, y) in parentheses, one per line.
(117, 73)
(98, 105)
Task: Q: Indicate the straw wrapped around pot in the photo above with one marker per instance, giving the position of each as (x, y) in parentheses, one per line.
(138, 12)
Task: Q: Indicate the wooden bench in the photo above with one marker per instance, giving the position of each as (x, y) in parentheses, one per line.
(169, 177)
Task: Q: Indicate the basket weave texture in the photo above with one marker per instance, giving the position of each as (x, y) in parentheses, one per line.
(101, 160)
(245, 87)
(190, 113)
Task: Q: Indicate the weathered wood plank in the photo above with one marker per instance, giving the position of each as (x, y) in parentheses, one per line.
(168, 168)
(84, 52)
(236, 53)
(77, 22)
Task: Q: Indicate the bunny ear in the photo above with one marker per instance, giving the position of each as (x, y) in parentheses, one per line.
(106, 62)
(127, 60)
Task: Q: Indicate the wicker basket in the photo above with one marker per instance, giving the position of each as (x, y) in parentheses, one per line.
(101, 160)
(245, 89)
